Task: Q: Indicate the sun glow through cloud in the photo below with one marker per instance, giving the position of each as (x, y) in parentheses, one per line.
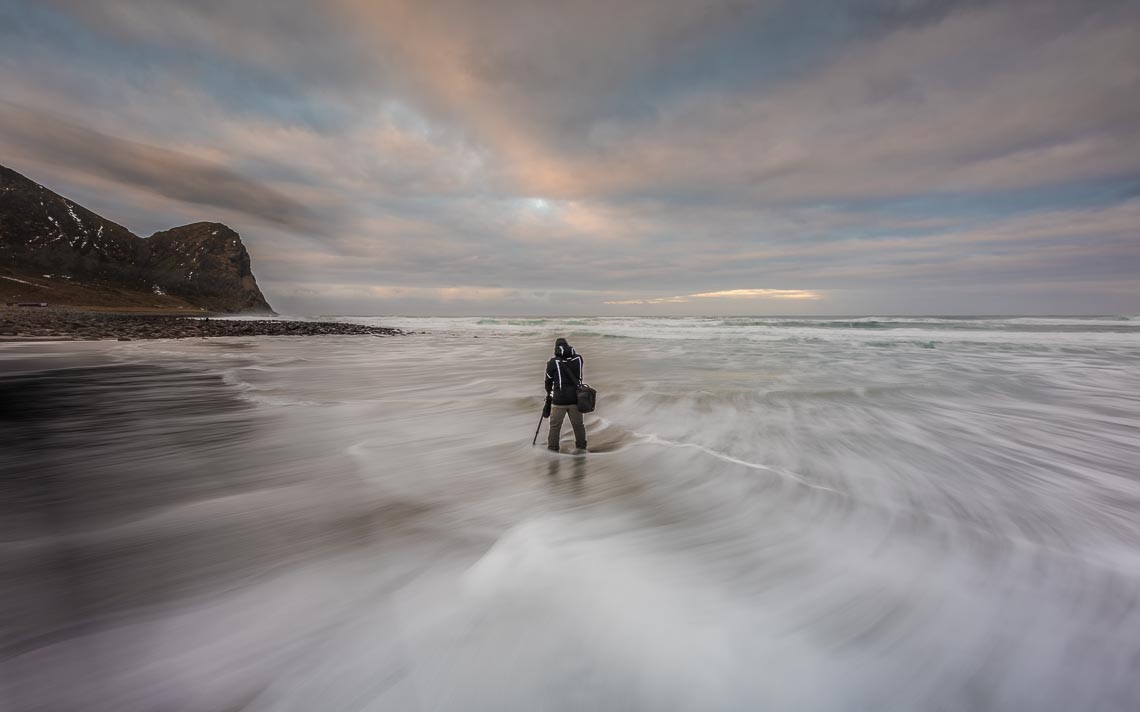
(728, 294)
(758, 294)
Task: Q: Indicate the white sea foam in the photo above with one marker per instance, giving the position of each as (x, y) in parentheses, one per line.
(921, 513)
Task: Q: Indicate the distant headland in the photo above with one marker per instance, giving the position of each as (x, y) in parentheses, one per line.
(56, 252)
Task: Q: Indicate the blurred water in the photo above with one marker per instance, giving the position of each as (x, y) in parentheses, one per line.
(874, 514)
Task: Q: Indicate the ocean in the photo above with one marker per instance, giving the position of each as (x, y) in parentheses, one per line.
(775, 513)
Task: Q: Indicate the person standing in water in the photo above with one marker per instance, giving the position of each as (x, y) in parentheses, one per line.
(563, 374)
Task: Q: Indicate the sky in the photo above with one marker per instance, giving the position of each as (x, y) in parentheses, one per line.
(642, 157)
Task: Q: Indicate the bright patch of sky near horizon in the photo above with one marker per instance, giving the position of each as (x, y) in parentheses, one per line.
(664, 157)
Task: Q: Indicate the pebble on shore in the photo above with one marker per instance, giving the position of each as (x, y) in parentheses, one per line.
(20, 323)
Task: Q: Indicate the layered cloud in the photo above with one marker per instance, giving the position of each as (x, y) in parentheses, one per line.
(181, 176)
(663, 156)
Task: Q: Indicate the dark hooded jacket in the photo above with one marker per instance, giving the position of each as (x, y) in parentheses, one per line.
(563, 374)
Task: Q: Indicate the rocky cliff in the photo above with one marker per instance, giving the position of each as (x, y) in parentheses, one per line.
(205, 264)
(53, 250)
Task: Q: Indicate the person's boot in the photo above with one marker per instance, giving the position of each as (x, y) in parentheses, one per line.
(580, 447)
(552, 448)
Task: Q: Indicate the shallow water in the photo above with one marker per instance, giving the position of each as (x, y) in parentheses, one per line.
(831, 514)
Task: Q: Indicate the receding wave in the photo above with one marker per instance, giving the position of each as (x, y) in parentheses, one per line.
(924, 512)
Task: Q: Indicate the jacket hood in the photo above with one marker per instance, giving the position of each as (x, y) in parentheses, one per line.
(562, 349)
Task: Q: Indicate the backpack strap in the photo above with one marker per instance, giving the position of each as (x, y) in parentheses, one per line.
(558, 365)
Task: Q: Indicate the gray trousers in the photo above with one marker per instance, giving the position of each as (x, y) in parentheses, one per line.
(557, 412)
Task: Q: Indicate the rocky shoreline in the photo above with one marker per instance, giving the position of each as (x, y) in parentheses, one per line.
(38, 323)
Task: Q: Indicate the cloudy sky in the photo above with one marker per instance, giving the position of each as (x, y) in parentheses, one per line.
(601, 157)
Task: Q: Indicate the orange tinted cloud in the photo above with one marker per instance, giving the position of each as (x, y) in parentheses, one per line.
(795, 294)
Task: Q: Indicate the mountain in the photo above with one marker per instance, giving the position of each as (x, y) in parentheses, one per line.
(53, 250)
(205, 263)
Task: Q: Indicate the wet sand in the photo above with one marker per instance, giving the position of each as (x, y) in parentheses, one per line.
(343, 524)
